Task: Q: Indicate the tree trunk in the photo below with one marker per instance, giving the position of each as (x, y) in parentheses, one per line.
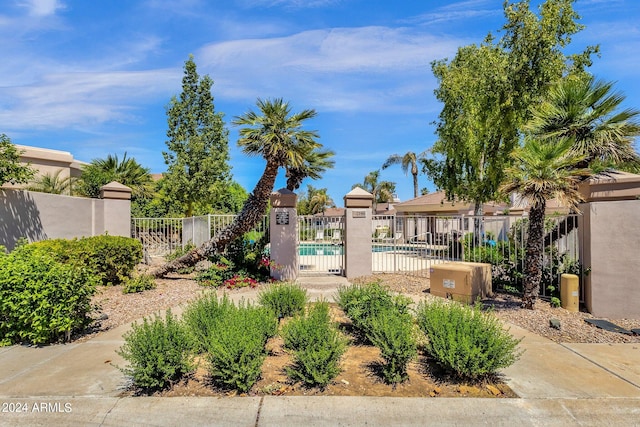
(252, 212)
(415, 184)
(533, 257)
(477, 223)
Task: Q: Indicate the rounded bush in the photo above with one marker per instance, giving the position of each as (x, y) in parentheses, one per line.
(42, 300)
(470, 343)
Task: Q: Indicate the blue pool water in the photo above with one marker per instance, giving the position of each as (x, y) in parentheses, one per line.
(320, 249)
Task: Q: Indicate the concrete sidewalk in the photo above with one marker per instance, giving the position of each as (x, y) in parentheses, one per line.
(558, 384)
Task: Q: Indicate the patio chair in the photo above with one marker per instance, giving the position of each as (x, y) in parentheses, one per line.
(336, 237)
(319, 235)
(382, 235)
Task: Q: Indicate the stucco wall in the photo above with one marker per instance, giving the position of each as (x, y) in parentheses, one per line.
(611, 250)
(47, 162)
(39, 216)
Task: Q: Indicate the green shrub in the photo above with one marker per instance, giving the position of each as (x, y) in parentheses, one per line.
(393, 334)
(203, 317)
(235, 345)
(466, 341)
(214, 276)
(41, 299)
(139, 283)
(361, 303)
(157, 352)
(112, 258)
(317, 347)
(284, 299)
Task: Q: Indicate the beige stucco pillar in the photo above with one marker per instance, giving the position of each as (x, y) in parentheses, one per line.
(282, 227)
(115, 217)
(357, 239)
(610, 248)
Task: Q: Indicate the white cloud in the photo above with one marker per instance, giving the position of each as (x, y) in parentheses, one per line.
(343, 69)
(42, 8)
(298, 4)
(79, 99)
(471, 9)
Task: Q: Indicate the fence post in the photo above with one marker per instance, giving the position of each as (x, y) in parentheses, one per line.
(358, 229)
(282, 232)
(116, 210)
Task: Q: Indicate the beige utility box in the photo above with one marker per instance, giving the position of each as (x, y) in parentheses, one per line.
(461, 281)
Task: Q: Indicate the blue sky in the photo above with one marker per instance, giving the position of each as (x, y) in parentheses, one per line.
(94, 77)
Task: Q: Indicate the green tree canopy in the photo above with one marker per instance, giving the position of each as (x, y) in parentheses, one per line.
(198, 148)
(487, 91)
(11, 170)
(52, 183)
(315, 163)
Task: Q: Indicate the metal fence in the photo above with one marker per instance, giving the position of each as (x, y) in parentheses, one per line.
(410, 244)
(321, 244)
(161, 236)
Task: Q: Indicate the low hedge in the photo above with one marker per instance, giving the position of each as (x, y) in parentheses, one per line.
(41, 299)
(112, 258)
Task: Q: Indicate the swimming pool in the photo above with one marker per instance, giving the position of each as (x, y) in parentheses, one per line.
(320, 249)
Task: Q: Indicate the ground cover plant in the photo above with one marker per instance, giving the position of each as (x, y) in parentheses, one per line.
(317, 346)
(244, 263)
(139, 283)
(466, 341)
(283, 299)
(362, 303)
(235, 345)
(158, 352)
(393, 333)
(315, 353)
(41, 299)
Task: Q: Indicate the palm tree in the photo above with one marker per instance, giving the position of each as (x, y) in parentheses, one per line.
(52, 184)
(319, 201)
(586, 110)
(276, 136)
(541, 171)
(315, 163)
(382, 191)
(410, 159)
(126, 171)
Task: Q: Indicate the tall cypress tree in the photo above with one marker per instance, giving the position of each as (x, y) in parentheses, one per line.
(198, 156)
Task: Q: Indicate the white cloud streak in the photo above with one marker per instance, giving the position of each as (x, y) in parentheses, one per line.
(340, 69)
(41, 8)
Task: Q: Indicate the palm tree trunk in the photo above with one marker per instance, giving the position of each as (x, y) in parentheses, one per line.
(533, 257)
(415, 185)
(252, 212)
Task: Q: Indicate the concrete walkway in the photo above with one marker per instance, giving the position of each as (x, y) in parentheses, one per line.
(558, 384)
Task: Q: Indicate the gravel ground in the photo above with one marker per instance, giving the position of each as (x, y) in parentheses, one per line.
(573, 326)
(170, 292)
